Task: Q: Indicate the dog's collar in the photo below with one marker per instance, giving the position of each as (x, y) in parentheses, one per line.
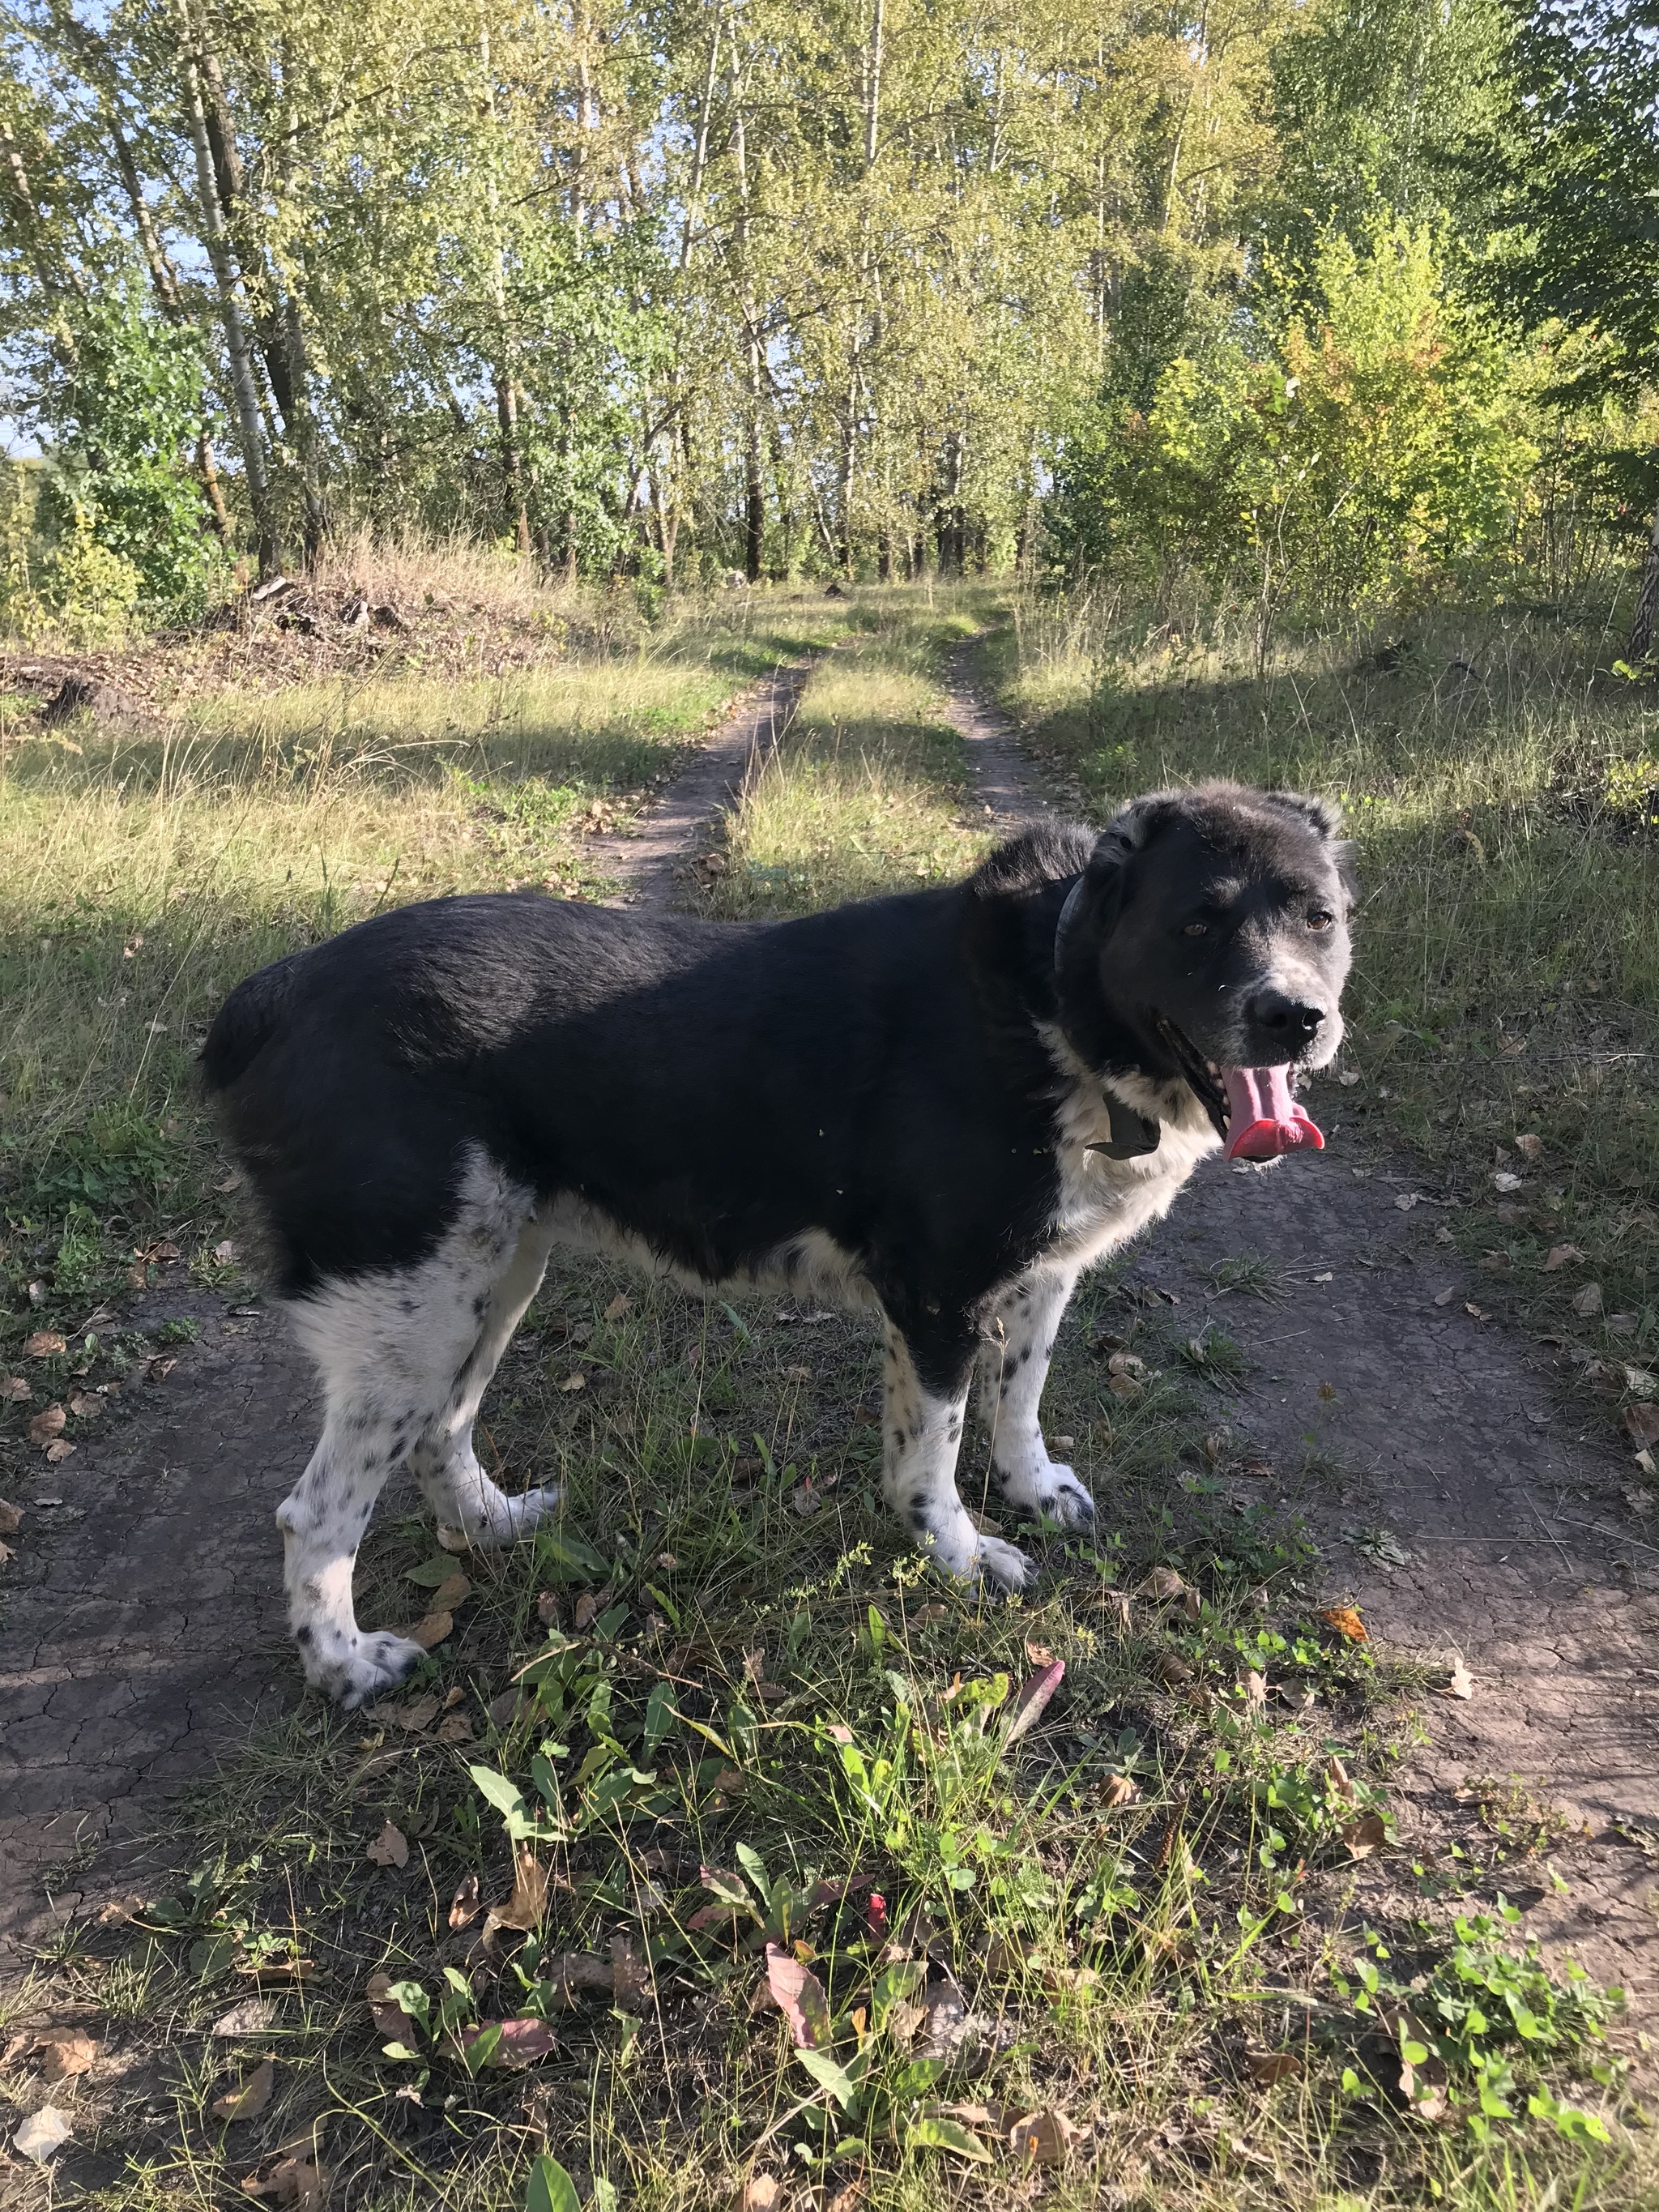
(1133, 1135)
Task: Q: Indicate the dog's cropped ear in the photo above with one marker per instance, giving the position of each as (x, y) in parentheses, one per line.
(1325, 816)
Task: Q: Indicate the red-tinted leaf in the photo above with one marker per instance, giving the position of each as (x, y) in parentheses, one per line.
(800, 1998)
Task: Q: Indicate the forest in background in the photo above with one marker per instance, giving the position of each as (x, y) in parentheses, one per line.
(1305, 306)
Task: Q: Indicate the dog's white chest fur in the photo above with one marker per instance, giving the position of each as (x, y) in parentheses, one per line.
(1103, 1202)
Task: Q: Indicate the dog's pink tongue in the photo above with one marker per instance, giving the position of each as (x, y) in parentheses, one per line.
(1264, 1118)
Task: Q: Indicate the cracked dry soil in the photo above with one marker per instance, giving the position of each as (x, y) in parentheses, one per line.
(144, 1628)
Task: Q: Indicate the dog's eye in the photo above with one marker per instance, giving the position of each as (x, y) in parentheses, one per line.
(1319, 919)
(1197, 929)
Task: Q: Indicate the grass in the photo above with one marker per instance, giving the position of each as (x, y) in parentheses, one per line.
(1167, 1934)
(1497, 780)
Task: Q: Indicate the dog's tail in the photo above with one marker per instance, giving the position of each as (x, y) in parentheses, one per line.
(244, 1025)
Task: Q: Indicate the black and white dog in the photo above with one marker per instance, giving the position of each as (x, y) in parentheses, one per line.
(944, 1105)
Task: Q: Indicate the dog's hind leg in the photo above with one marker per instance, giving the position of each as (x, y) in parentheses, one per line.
(921, 1430)
(444, 1461)
(394, 1347)
(1013, 1367)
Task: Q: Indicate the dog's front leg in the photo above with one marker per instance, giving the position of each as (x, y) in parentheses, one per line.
(1014, 1369)
(921, 1430)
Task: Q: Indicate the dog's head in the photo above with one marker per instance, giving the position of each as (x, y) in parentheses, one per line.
(1208, 940)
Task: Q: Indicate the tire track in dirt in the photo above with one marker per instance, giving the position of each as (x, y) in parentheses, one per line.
(1385, 1410)
(143, 1631)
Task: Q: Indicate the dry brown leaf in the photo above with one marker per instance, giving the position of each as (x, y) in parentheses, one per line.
(431, 1631)
(1641, 1424)
(86, 1405)
(1346, 1620)
(121, 1910)
(800, 1997)
(587, 1610)
(845, 2200)
(1269, 2067)
(1038, 1654)
(42, 1343)
(571, 1972)
(225, 1254)
(1256, 1692)
(1172, 1670)
(549, 1607)
(457, 1728)
(277, 1970)
(453, 1590)
(1119, 1790)
(1459, 1683)
(13, 1389)
(1162, 1582)
(1031, 1703)
(48, 1424)
(58, 1452)
(291, 2181)
(64, 2053)
(1588, 1301)
(1530, 1146)
(1042, 2138)
(630, 1978)
(248, 2102)
(1115, 1603)
(1444, 1297)
(574, 1381)
(1365, 1835)
(619, 1306)
(1560, 1255)
(390, 2019)
(761, 2192)
(390, 1848)
(11, 1518)
(418, 1714)
(523, 1908)
(464, 1907)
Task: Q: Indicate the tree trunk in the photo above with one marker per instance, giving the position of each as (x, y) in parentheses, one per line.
(1647, 599)
(250, 432)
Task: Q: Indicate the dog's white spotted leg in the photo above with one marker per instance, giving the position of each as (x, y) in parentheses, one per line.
(1014, 1369)
(322, 1520)
(443, 1460)
(922, 1435)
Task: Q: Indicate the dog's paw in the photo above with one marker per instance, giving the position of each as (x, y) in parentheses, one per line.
(352, 1673)
(507, 1519)
(968, 1557)
(1054, 1490)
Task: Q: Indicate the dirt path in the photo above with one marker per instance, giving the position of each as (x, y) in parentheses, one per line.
(1444, 1434)
(143, 1629)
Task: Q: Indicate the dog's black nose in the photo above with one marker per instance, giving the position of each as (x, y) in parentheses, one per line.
(1292, 1019)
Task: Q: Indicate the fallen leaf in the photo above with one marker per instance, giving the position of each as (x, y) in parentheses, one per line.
(523, 1908)
(1460, 1683)
(1475, 1312)
(86, 1405)
(42, 1343)
(574, 1381)
(587, 1610)
(418, 1714)
(1038, 1654)
(1034, 1695)
(1119, 1790)
(1268, 2066)
(519, 2043)
(453, 1590)
(1588, 1301)
(1365, 1835)
(1256, 1692)
(1560, 1255)
(58, 1452)
(1530, 1146)
(1115, 1603)
(1641, 1424)
(800, 1997)
(1444, 1297)
(1258, 1470)
(227, 1253)
(571, 1972)
(1042, 2138)
(761, 2192)
(1172, 1670)
(630, 1978)
(1505, 1181)
(228, 1183)
(294, 2181)
(1407, 1199)
(13, 1389)
(1346, 1622)
(251, 2100)
(431, 1631)
(251, 2017)
(504, 1708)
(548, 1608)
(390, 2019)
(121, 1910)
(464, 1907)
(11, 1518)
(1162, 1582)
(619, 1306)
(279, 1970)
(41, 2133)
(47, 1425)
(390, 1848)
(65, 2052)
(457, 1729)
